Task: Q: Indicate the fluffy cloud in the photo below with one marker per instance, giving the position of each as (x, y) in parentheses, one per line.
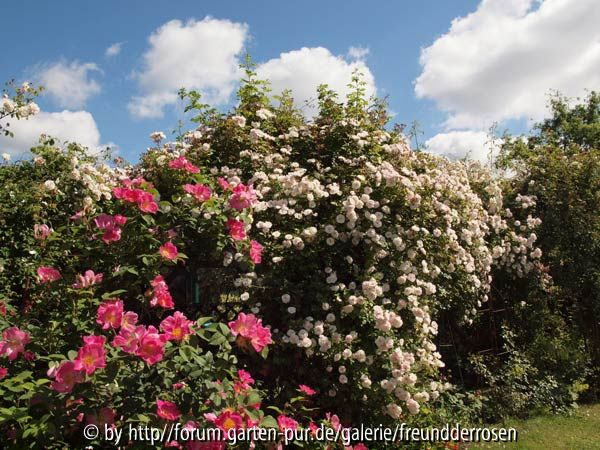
(358, 52)
(303, 70)
(113, 50)
(74, 126)
(202, 55)
(459, 144)
(69, 84)
(500, 62)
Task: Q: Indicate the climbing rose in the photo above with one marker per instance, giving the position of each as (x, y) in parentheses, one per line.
(286, 423)
(3, 372)
(243, 197)
(106, 221)
(151, 346)
(66, 376)
(110, 314)
(250, 329)
(199, 191)
(256, 252)
(184, 164)
(14, 342)
(129, 320)
(92, 355)
(48, 274)
(236, 229)
(89, 278)
(161, 295)
(111, 226)
(176, 327)
(168, 251)
(307, 390)
(128, 338)
(111, 235)
(334, 419)
(244, 383)
(144, 200)
(41, 232)
(167, 410)
(223, 183)
(228, 420)
(146, 203)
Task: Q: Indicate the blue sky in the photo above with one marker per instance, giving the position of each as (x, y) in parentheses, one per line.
(454, 66)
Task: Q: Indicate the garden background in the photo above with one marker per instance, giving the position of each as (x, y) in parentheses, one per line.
(289, 264)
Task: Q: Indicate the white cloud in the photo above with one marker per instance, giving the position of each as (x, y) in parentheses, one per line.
(113, 50)
(303, 70)
(458, 144)
(358, 52)
(73, 126)
(202, 55)
(69, 84)
(500, 62)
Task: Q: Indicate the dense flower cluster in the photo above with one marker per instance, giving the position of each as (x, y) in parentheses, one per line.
(401, 231)
(335, 249)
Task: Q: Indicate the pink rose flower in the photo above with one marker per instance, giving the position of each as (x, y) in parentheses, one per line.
(199, 191)
(129, 320)
(286, 423)
(251, 330)
(66, 376)
(119, 220)
(256, 251)
(110, 226)
(168, 251)
(243, 197)
(307, 390)
(110, 314)
(151, 346)
(41, 232)
(237, 229)
(89, 278)
(223, 183)
(244, 383)
(78, 215)
(146, 203)
(47, 274)
(160, 294)
(183, 164)
(176, 327)
(128, 339)
(14, 342)
(228, 420)
(131, 194)
(111, 235)
(105, 221)
(167, 410)
(92, 355)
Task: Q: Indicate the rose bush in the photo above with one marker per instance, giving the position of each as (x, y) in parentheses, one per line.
(313, 256)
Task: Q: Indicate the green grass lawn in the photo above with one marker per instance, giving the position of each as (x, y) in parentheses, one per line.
(580, 431)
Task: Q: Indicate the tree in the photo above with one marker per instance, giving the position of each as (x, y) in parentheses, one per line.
(558, 165)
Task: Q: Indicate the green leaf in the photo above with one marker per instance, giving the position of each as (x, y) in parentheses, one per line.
(143, 418)
(265, 352)
(269, 421)
(113, 293)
